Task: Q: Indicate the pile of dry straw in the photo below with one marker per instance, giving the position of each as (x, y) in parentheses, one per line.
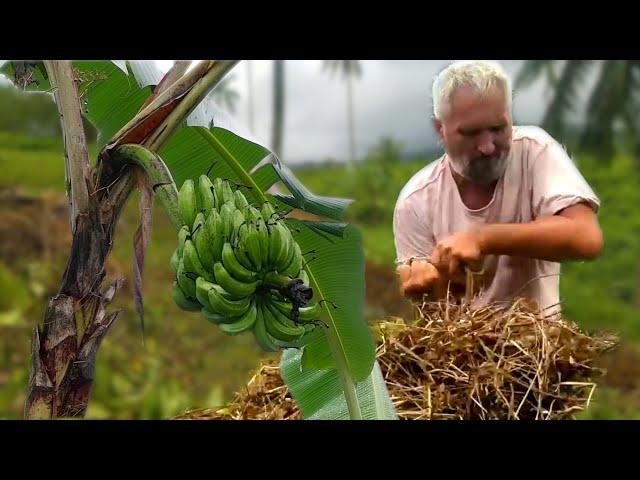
(456, 362)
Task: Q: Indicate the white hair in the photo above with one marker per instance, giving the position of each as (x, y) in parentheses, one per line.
(482, 75)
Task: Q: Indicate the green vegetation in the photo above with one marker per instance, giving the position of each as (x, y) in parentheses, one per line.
(204, 367)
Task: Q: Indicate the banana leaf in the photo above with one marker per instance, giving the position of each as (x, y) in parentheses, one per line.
(319, 394)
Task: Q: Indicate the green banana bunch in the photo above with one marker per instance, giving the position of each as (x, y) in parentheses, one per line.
(240, 266)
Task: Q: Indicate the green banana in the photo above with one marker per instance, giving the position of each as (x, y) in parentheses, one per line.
(227, 193)
(279, 326)
(241, 248)
(302, 275)
(238, 219)
(263, 235)
(286, 252)
(276, 243)
(240, 200)
(215, 235)
(305, 314)
(230, 284)
(192, 262)
(175, 261)
(241, 256)
(253, 214)
(187, 284)
(254, 252)
(202, 292)
(224, 293)
(182, 301)
(217, 192)
(260, 333)
(188, 202)
(267, 211)
(233, 266)
(295, 265)
(239, 325)
(206, 200)
(183, 234)
(225, 306)
(202, 241)
(214, 318)
(198, 223)
(226, 215)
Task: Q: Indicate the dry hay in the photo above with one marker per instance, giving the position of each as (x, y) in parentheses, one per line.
(496, 362)
(502, 361)
(266, 397)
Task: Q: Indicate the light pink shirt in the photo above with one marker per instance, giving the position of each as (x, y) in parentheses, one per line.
(539, 181)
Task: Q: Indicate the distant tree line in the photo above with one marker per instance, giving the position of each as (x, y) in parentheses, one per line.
(33, 114)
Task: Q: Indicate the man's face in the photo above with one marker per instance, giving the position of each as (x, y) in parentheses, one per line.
(476, 133)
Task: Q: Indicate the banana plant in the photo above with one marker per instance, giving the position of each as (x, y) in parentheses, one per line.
(170, 128)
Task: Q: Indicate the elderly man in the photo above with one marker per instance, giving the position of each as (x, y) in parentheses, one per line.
(503, 199)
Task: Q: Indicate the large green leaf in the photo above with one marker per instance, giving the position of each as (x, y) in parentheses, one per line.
(319, 394)
(338, 274)
(305, 200)
(104, 82)
(323, 228)
(265, 176)
(189, 155)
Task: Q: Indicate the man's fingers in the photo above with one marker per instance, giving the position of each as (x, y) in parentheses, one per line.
(434, 257)
(423, 277)
(404, 272)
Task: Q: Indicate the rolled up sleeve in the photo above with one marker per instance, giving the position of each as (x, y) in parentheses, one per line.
(558, 184)
(411, 235)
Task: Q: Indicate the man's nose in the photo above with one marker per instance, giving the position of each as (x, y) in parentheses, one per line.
(486, 146)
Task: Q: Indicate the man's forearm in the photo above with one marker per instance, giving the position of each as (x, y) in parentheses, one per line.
(555, 239)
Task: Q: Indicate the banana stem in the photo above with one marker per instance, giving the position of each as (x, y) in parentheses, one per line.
(192, 99)
(233, 163)
(159, 175)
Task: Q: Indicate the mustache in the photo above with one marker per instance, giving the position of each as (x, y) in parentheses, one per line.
(489, 158)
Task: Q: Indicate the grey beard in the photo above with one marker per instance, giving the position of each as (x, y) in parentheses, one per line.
(483, 173)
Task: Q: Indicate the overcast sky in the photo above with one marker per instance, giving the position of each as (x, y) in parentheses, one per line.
(392, 98)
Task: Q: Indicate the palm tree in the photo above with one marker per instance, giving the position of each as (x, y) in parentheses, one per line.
(350, 69)
(612, 105)
(250, 91)
(278, 106)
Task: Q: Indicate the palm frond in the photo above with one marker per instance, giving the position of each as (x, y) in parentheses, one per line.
(606, 105)
(565, 95)
(531, 71)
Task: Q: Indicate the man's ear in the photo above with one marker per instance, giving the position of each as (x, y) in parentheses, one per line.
(438, 127)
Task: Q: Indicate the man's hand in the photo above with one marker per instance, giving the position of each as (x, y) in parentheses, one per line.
(452, 252)
(417, 279)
